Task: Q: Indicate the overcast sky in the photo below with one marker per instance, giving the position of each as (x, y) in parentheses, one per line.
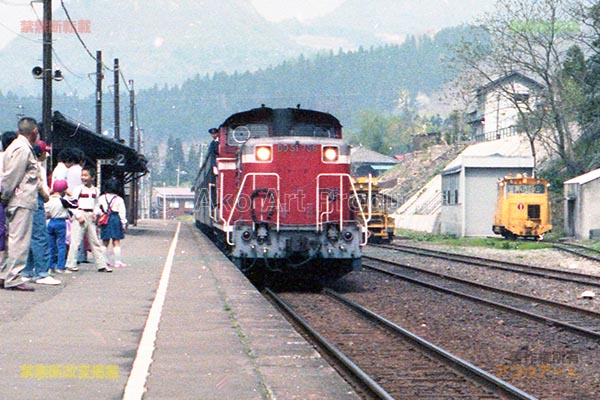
(276, 10)
(12, 12)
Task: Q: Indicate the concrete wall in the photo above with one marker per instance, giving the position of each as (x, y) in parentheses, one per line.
(451, 220)
(585, 213)
(480, 200)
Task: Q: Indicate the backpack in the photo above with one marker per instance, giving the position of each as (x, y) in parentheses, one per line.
(102, 219)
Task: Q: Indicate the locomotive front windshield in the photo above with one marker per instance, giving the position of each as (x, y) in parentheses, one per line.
(537, 188)
(236, 136)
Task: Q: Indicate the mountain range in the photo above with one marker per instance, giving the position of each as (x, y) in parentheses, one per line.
(166, 42)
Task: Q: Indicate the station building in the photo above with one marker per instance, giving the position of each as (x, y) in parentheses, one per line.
(469, 191)
(582, 214)
(172, 202)
(365, 162)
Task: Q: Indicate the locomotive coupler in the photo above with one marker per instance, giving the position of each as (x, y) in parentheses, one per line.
(332, 233)
(262, 233)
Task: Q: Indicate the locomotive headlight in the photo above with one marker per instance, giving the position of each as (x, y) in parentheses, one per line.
(348, 236)
(263, 153)
(330, 153)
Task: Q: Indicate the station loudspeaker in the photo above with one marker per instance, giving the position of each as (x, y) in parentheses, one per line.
(37, 72)
(58, 75)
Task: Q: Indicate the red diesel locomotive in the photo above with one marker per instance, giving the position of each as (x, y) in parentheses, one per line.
(279, 197)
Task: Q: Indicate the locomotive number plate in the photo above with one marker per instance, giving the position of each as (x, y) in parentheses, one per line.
(305, 148)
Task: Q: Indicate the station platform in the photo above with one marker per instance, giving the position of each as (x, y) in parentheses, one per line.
(179, 322)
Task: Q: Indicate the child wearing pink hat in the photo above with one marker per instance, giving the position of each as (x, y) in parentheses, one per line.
(57, 209)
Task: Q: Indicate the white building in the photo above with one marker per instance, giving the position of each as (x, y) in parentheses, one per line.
(469, 192)
(582, 214)
(497, 104)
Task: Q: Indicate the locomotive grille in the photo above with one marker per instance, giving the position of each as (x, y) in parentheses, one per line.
(533, 211)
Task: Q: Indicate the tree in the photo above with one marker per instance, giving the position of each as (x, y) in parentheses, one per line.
(372, 130)
(533, 37)
(174, 161)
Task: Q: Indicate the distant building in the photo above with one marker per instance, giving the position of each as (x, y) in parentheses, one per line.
(582, 214)
(496, 114)
(364, 162)
(469, 191)
(172, 202)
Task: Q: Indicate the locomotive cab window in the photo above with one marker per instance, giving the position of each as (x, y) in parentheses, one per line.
(526, 189)
(236, 136)
(539, 189)
(311, 130)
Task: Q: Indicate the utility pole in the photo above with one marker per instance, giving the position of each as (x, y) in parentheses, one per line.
(99, 77)
(131, 115)
(47, 71)
(133, 194)
(117, 100)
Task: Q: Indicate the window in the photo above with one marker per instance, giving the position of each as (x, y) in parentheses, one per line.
(311, 130)
(240, 134)
(188, 204)
(173, 204)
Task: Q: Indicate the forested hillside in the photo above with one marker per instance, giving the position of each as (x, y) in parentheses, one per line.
(341, 83)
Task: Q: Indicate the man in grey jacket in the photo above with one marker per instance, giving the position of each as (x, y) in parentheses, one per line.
(19, 195)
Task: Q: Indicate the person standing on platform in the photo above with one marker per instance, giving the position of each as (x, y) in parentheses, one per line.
(39, 253)
(74, 168)
(74, 180)
(7, 138)
(112, 204)
(57, 210)
(66, 159)
(84, 222)
(20, 186)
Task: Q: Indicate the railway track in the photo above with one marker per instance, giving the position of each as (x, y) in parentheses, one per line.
(578, 250)
(566, 276)
(575, 319)
(390, 361)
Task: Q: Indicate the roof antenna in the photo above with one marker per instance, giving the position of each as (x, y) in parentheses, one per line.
(298, 105)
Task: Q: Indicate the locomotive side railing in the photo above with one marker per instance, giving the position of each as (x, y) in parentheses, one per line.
(319, 223)
(228, 227)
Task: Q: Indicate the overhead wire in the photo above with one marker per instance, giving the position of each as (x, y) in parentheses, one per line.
(19, 34)
(104, 66)
(62, 3)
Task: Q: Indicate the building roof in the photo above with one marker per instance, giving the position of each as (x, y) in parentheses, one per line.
(361, 154)
(513, 76)
(585, 178)
(174, 191)
(510, 148)
(70, 133)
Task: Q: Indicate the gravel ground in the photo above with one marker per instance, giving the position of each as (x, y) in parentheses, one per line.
(542, 360)
(548, 258)
(564, 292)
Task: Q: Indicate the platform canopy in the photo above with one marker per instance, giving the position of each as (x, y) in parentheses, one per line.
(70, 133)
